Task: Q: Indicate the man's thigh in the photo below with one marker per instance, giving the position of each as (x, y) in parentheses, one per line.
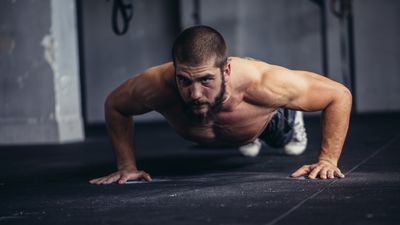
(279, 130)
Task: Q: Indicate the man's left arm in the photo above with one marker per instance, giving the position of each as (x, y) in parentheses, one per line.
(308, 91)
(334, 126)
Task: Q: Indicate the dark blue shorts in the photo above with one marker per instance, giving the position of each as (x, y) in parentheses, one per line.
(279, 130)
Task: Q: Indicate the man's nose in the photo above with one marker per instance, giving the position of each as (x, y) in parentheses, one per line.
(195, 91)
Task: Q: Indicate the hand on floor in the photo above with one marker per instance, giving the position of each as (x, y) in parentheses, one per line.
(122, 176)
(322, 169)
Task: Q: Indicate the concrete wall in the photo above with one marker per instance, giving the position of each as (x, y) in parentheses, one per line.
(284, 32)
(39, 82)
(20, 58)
(287, 32)
(377, 44)
(110, 59)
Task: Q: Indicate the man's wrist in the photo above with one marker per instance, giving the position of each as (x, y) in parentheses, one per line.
(328, 160)
(127, 166)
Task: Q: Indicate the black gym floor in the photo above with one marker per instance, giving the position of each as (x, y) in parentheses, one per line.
(48, 184)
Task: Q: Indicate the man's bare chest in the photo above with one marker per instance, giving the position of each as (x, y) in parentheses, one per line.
(236, 127)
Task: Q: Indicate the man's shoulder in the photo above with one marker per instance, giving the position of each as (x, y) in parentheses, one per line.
(251, 68)
(264, 82)
(250, 61)
(156, 85)
(154, 78)
(249, 72)
(159, 73)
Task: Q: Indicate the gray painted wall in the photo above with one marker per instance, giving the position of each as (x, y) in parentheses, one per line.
(281, 32)
(39, 88)
(26, 101)
(110, 59)
(377, 35)
(284, 32)
(34, 96)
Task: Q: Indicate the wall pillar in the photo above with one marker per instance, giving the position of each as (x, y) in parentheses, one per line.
(39, 73)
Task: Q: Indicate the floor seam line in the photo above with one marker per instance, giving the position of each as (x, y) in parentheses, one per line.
(390, 142)
(298, 205)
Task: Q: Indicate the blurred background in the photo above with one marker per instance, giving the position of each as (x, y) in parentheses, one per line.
(60, 59)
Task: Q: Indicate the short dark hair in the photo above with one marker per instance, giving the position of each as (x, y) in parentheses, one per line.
(196, 45)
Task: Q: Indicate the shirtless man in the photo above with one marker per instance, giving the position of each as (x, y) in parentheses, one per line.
(216, 100)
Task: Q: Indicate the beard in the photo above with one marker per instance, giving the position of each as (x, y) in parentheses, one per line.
(213, 108)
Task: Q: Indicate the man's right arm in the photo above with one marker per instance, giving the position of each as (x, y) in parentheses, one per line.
(121, 104)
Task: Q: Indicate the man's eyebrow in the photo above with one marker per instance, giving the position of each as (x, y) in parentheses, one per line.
(182, 76)
(200, 76)
(208, 75)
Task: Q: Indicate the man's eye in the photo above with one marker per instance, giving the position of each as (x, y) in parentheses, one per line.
(206, 80)
(184, 81)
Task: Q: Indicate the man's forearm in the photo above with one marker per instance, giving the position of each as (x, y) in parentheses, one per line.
(335, 123)
(120, 130)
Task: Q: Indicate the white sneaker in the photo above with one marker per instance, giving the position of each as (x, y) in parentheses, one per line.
(298, 144)
(252, 149)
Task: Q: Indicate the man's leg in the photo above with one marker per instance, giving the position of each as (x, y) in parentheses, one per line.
(286, 130)
(279, 130)
(298, 144)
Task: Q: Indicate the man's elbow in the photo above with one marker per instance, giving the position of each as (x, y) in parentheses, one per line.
(110, 108)
(345, 97)
(108, 103)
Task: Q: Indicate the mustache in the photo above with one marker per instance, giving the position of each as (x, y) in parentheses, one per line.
(198, 102)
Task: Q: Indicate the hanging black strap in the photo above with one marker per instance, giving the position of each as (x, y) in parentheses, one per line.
(125, 11)
(342, 9)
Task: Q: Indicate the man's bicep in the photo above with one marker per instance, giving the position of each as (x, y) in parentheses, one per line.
(312, 92)
(128, 99)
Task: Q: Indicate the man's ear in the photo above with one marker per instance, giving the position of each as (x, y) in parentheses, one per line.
(227, 70)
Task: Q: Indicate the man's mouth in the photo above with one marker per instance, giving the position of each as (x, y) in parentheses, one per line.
(199, 106)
